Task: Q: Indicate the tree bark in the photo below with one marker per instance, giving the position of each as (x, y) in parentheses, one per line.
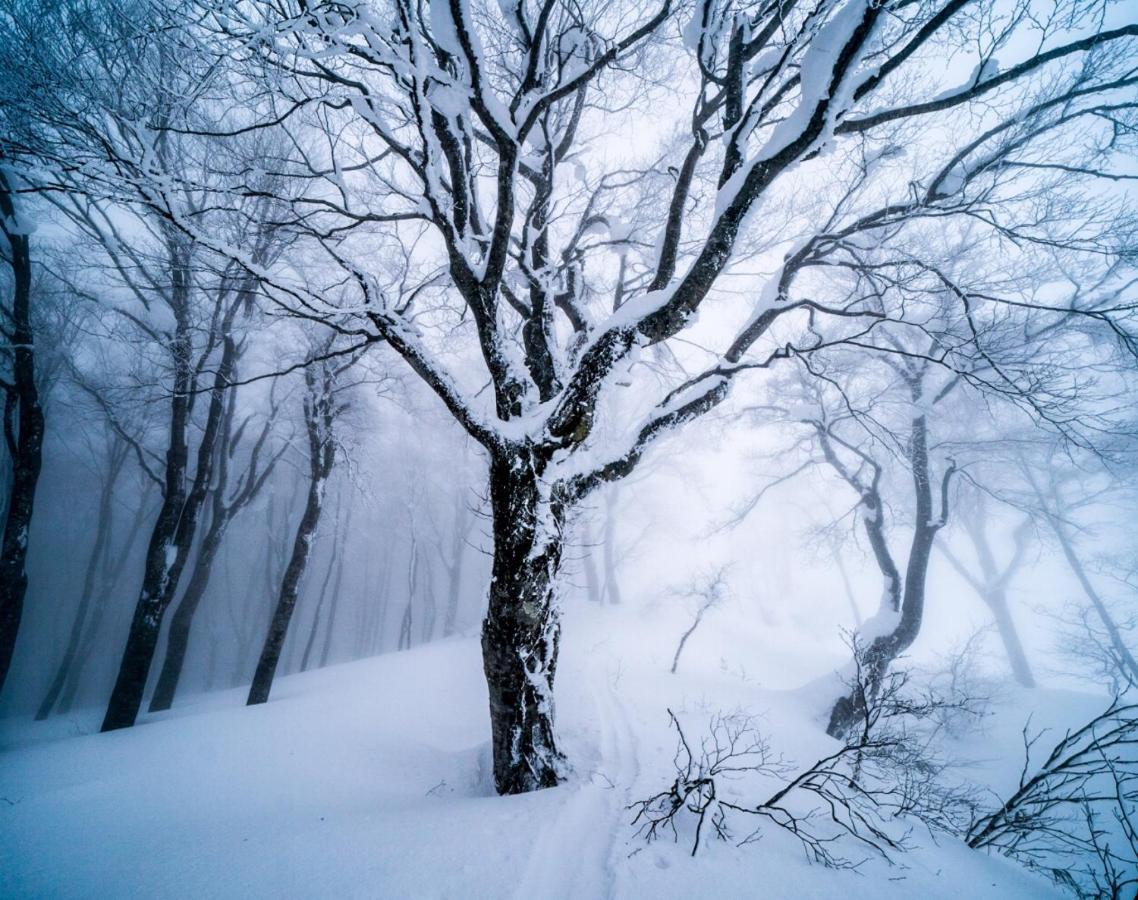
(884, 649)
(521, 631)
(286, 601)
(173, 532)
(23, 432)
(319, 413)
(178, 638)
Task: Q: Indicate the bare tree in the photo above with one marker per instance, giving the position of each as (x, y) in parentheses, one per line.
(708, 593)
(23, 416)
(1059, 817)
(886, 769)
(445, 224)
(1056, 512)
(322, 404)
(226, 498)
(484, 174)
(991, 583)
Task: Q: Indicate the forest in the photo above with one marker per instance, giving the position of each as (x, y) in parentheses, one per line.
(569, 448)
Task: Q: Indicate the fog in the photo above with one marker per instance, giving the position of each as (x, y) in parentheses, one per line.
(756, 379)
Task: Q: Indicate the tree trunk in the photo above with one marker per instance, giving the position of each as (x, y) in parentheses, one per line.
(454, 570)
(1124, 657)
(612, 586)
(993, 588)
(884, 649)
(23, 431)
(521, 630)
(286, 602)
(412, 571)
(178, 638)
(998, 602)
(332, 557)
(319, 413)
(326, 650)
(181, 505)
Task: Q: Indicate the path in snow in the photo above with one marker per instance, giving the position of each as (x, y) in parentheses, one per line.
(576, 851)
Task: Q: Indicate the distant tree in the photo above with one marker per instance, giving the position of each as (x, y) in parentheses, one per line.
(991, 581)
(323, 402)
(466, 119)
(229, 494)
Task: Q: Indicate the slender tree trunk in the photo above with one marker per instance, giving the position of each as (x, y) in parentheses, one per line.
(700, 613)
(412, 573)
(377, 637)
(319, 413)
(181, 622)
(521, 631)
(1122, 653)
(286, 602)
(992, 583)
(90, 577)
(430, 607)
(998, 602)
(337, 584)
(23, 432)
(333, 556)
(1125, 659)
(458, 556)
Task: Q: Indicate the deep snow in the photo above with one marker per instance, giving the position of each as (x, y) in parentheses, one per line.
(369, 779)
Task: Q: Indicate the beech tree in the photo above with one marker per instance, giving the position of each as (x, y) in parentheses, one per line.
(323, 402)
(457, 127)
(448, 199)
(228, 495)
(990, 576)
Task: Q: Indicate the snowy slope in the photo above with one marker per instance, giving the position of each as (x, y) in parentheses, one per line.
(369, 779)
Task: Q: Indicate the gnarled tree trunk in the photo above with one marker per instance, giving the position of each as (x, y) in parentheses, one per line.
(521, 631)
(884, 649)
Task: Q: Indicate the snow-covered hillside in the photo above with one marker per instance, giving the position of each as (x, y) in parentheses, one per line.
(369, 779)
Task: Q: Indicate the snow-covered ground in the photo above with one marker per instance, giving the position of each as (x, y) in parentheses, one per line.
(369, 779)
